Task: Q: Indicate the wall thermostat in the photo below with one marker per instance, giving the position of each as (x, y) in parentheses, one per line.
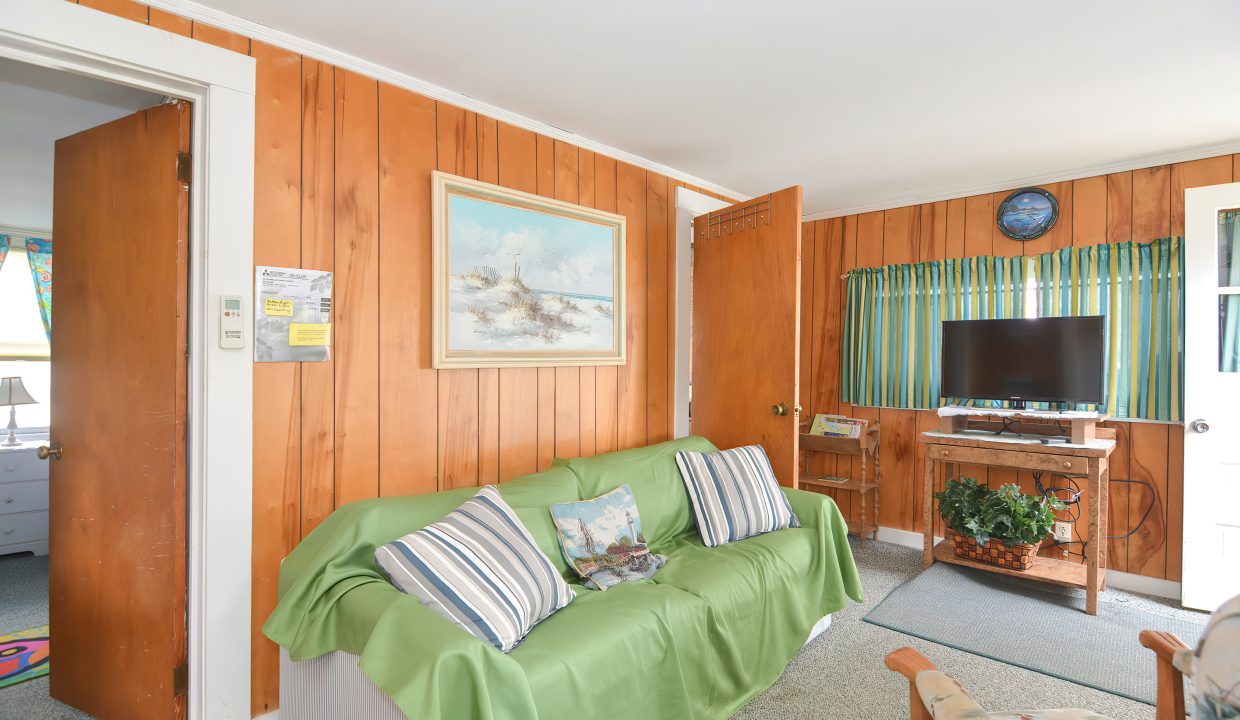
(232, 323)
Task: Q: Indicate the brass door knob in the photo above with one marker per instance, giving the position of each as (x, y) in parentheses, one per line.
(781, 409)
(51, 451)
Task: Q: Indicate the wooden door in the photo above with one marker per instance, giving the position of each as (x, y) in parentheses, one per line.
(1211, 571)
(117, 493)
(746, 327)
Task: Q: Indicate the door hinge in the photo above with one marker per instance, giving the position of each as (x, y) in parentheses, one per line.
(185, 167)
(180, 679)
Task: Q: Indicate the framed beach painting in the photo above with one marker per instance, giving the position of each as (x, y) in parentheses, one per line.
(522, 280)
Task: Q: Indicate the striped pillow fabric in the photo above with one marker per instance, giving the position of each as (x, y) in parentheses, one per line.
(734, 494)
(480, 568)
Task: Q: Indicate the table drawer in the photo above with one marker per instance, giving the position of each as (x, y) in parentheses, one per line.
(23, 527)
(23, 496)
(21, 466)
(1029, 460)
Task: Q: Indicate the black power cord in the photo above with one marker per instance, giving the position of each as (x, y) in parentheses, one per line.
(1071, 498)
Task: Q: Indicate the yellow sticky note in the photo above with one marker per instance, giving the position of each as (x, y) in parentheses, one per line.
(306, 334)
(278, 306)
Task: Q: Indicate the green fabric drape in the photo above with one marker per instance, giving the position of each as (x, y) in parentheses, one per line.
(1229, 276)
(892, 327)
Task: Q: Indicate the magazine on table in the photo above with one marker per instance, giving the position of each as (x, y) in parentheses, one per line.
(836, 426)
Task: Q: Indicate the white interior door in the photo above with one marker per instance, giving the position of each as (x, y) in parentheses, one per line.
(1211, 396)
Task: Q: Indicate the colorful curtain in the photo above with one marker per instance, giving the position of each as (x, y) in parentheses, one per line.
(1229, 276)
(892, 330)
(39, 254)
(4, 248)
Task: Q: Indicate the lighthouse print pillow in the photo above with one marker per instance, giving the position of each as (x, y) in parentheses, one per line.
(602, 539)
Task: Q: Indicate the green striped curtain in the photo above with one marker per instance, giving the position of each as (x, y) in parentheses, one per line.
(892, 331)
(892, 327)
(1229, 276)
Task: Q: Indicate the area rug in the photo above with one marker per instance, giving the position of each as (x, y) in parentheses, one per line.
(24, 655)
(1037, 626)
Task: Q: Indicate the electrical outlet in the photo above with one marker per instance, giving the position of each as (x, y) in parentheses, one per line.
(1063, 531)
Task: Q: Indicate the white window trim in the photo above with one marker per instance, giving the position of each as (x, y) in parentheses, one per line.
(220, 84)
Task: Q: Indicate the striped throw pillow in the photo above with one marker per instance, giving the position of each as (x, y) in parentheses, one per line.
(734, 494)
(480, 568)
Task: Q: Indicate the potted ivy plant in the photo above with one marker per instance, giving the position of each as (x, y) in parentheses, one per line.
(1000, 526)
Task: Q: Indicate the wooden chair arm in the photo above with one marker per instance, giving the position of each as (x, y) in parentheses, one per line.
(1170, 680)
(908, 662)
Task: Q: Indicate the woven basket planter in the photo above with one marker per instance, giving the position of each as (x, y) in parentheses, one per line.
(1015, 557)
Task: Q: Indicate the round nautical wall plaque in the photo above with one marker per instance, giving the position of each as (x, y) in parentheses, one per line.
(1027, 213)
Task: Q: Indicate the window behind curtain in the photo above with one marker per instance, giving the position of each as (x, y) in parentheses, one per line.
(24, 350)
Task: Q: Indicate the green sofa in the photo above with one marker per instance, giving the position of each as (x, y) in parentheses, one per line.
(713, 628)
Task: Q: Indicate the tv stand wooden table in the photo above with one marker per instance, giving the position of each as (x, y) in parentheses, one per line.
(1026, 452)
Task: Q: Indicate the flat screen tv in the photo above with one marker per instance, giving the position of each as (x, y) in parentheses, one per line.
(1029, 359)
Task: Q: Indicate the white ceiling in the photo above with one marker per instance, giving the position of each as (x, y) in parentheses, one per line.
(865, 104)
(38, 106)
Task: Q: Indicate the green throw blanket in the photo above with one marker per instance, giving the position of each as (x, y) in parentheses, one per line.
(713, 628)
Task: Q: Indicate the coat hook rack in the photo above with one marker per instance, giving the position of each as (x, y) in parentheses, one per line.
(737, 219)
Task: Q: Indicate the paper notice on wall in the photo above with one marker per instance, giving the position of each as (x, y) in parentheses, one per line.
(293, 310)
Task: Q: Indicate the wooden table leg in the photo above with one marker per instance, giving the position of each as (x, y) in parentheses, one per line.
(1104, 499)
(861, 495)
(927, 513)
(1097, 536)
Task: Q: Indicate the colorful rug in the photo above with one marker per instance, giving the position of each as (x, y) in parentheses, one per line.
(25, 655)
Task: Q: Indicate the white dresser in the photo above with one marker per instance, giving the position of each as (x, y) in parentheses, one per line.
(23, 499)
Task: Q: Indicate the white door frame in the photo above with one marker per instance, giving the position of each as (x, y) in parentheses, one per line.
(1209, 395)
(689, 204)
(65, 36)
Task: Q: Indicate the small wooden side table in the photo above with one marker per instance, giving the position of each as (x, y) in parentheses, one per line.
(866, 447)
(982, 447)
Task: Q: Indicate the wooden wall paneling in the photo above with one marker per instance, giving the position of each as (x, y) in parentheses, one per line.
(1151, 203)
(220, 38)
(127, 9)
(456, 142)
(1175, 502)
(567, 182)
(1117, 499)
(517, 151)
(588, 387)
(1089, 211)
(607, 378)
(955, 228)
(1119, 207)
(869, 253)
(1197, 173)
(848, 261)
(165, 20)
(898, 444)
(545, 178)
(488, 378)
(1147, 548)
(277, 386)
(631, 401)
(318, 252)
(408, 386)
(658, 305)
(356, 311)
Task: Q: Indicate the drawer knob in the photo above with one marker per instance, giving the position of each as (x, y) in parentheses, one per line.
(9, 499)
(1067, 463)
(945, 453)
(8, 531)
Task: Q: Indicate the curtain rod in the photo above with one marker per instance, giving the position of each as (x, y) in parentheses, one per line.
(26, 232)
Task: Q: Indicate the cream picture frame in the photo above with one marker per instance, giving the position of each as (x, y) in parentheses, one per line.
(521, 280)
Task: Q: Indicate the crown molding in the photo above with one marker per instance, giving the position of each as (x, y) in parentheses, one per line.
(202, 13)
(1145, 161)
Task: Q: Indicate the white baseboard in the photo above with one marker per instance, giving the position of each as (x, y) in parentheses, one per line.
(273, 715)
(1119, 580)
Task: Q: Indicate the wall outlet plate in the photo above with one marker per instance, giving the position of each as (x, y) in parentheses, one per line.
(1063, 531)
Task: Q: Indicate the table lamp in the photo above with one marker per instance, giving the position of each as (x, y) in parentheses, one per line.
(13, 393)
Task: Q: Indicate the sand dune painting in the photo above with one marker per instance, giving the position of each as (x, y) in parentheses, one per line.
(525, 281)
